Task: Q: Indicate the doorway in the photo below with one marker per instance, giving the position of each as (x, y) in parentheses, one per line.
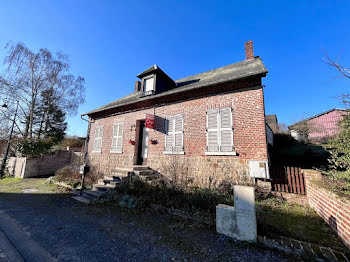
(142, 150)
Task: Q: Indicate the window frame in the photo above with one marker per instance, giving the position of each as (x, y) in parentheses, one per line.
(116, 124)
(150, 92)
(174, 132)
(219, 130)
(94, 150)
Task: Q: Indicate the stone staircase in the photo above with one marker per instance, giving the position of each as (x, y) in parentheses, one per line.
(110, 182)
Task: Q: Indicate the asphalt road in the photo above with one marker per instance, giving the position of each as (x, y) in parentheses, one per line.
(71, 231)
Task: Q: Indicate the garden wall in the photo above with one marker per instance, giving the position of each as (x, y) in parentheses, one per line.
(40, 166)
(334, 210)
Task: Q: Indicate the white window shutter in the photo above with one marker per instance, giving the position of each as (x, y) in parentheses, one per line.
(120, 136)
(114, 138)
(98, 139)
(226, 130)
(179, 128)
(212, 130)
(169, 137)
(117, 139)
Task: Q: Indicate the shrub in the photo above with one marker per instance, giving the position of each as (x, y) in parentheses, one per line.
(68, 174)
(163, 193)
(339, 161)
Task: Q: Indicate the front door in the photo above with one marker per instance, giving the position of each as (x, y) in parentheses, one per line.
(143, 144)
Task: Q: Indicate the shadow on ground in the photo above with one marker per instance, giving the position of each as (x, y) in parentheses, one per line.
(72, 231)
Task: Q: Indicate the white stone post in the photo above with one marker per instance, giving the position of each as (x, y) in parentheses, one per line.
(239, 221)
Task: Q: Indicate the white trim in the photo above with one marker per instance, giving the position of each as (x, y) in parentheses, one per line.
(96, 152)
(221, 153)
(116, 151)
(154, 84)
(173, 152)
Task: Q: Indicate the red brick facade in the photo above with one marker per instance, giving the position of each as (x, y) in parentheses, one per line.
(334, 210)
(249, 133)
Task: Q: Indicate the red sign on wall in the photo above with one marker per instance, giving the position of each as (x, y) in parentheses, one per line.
(150, 121)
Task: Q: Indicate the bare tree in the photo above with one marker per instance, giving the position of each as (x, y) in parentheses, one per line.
(342, 72)
(28, 75)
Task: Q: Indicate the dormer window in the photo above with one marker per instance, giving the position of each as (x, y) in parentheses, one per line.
(148, 85)
(154, 81)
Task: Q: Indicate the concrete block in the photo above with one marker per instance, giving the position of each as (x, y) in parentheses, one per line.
(239, 221)
(245, 215)
(225, 220)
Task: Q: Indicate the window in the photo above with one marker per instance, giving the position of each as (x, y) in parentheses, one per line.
(148, 85)
(97, 146)
(174, 138)
(117, 139)
(219, 132)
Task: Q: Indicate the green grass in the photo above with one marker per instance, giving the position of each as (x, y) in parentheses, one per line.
(292, 220)
(17, 185)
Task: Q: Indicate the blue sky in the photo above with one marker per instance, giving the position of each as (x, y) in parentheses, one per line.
(110, 42)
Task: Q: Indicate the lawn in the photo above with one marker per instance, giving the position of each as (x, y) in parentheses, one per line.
(35, 185)
(281, 218)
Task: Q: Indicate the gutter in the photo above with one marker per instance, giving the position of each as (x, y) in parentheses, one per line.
(263, 74)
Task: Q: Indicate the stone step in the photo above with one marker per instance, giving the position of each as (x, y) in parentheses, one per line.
(108, 182)
(122, 170)
(116, 178)
(93, 195)
(138, 167)
(101, 188)
(144, 172)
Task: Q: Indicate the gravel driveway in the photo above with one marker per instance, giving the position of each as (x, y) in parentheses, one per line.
(72, 231)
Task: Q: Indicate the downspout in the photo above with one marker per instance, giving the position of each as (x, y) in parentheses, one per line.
(86, 147)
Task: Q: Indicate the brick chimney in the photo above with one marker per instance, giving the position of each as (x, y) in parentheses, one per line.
(249, 53)
(137, 86)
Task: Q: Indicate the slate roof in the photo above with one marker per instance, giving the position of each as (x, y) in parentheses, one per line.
(271, 120)
(223, 74)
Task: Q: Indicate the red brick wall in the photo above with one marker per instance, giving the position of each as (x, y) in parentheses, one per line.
(334, 210)
(248, 122)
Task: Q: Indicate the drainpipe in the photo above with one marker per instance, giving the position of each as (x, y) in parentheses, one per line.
(84, 169)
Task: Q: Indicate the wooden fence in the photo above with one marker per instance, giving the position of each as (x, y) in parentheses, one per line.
(288, 179)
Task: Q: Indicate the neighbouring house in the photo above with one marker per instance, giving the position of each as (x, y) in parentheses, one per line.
(271, 120)
(271, 128)
(212, 121)
(319, 127)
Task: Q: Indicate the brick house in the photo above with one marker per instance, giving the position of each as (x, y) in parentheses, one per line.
(320, 126)
(212, 121)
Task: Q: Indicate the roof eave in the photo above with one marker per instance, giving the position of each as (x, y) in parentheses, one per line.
(261, 74)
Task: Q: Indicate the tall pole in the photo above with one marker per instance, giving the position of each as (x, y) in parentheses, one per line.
(3, 165)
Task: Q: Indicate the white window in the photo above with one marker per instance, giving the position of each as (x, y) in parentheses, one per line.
(148, 85)
(117, 139)
(97, 146)
(219, 132)
(174, 138)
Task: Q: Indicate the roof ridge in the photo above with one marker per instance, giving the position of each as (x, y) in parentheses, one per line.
(236, 63)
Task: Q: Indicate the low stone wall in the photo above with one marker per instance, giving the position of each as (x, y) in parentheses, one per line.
(208, 171)
(334, 210)
(41, 166)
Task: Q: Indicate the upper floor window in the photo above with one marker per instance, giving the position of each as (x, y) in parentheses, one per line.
(97, 146)
(219, 131)
(117, 139)
(174, 139)
(148, 85)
